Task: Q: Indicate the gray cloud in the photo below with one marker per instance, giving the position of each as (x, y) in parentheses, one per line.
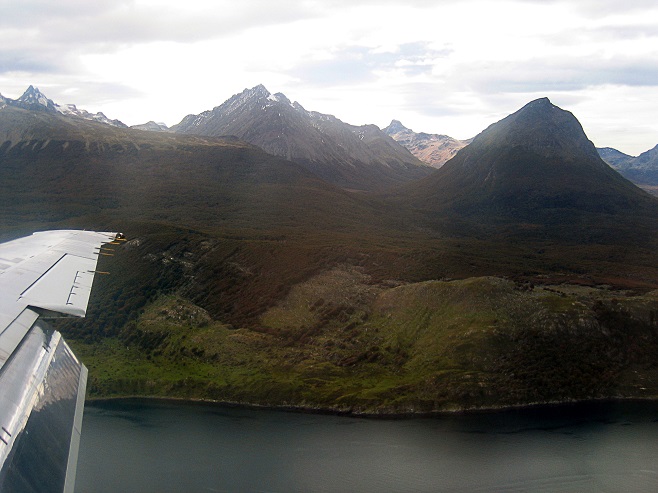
(558, 75)
(24, 61)
(107, 22)
(357, 64)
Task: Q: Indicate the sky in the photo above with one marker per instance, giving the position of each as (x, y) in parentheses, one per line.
(444, 66)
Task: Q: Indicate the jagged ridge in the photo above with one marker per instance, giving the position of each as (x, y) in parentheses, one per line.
(34, 100)
(360, 157)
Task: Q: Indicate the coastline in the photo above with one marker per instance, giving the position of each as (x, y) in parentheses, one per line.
(374, 415)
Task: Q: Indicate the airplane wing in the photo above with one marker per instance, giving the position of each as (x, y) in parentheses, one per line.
(42, 383)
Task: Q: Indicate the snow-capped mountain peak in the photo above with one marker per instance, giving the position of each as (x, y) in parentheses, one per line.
(33, 99)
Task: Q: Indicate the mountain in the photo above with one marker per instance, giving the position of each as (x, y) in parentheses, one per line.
(246, 278)
(151, 127)
(536, 168)
(56, 166)
(612, 156)
(642, 170)
(433, 149)
(34, 100)
(353, 157)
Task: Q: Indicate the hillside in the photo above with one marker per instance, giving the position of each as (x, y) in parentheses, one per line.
(338, 342)
(353, 157)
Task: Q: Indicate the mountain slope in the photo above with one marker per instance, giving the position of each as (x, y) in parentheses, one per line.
(612, 156)
(642, 169)
(62, 166)
(535, 166)
(349, 156)
(433, 149)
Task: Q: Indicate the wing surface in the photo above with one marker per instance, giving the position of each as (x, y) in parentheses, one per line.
(42, 383)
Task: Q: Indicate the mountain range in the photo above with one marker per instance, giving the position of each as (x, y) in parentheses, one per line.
(34, 100)
(523, 270)
(323, 143)
(355, 157)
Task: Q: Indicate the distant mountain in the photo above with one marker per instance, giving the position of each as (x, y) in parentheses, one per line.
(34, 100)
(612, 156)
(535, 168)
(54, 166)
(357, 157)
(642, 169)
(433, 149)
(152, 127)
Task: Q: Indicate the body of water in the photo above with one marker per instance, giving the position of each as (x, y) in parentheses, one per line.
(151, 446)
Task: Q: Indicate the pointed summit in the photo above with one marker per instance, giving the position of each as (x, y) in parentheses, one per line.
(255, 93)
(395, 127)
(536, 164)
(34, 99)
(543, 128)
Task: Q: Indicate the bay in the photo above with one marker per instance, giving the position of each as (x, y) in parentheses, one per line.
(158, 446)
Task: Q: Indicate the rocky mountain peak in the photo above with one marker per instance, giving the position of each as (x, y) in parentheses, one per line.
(534, 164)
(32, 95)
(33, 98)
(257, 92)
(361, 158)
(432, 149)
(395, 127)
(543, 128)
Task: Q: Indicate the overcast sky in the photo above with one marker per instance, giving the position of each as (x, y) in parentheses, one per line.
(443, 66)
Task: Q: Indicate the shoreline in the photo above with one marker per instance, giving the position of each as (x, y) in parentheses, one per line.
(372, 415)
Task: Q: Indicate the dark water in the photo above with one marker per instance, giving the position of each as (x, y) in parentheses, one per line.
(144, 446)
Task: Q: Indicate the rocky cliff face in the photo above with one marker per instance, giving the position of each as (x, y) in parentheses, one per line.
(433, 149)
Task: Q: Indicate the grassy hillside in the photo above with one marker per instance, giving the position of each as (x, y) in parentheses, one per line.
(339, 341)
